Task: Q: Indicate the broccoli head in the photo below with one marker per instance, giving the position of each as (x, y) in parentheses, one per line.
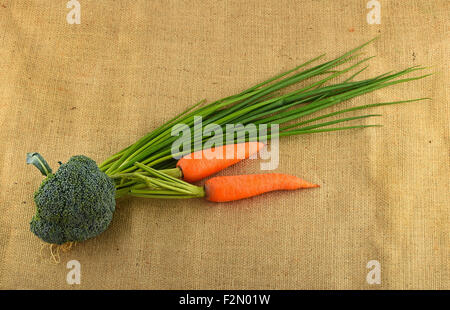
(74, 204)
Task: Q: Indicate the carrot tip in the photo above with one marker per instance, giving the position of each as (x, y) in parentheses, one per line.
(310, 185)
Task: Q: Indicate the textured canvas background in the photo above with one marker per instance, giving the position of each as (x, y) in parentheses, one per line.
(129, 66)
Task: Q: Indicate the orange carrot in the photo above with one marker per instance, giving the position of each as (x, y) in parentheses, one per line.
(229, 188)
(199, 165)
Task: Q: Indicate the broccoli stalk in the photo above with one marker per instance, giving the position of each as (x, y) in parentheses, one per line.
(74, 204)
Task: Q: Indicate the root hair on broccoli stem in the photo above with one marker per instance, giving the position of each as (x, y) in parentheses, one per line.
(54, 251)
(66, 247)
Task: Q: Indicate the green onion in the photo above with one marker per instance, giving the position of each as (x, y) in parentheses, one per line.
(263, 103)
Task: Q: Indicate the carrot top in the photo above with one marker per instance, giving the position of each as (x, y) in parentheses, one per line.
(151, 183)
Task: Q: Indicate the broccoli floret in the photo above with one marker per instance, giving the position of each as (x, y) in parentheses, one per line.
(74, 204)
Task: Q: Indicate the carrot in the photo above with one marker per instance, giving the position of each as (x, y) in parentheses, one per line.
(198, 165)
(229, 188)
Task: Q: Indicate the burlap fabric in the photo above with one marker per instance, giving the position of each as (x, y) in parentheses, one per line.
(96, 87)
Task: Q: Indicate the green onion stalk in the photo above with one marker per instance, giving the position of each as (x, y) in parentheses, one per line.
(146, 167)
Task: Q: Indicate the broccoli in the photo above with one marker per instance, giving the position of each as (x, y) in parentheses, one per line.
(74, 204)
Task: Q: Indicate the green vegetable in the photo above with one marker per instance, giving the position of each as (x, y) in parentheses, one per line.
(74, 204)
(262, 104)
